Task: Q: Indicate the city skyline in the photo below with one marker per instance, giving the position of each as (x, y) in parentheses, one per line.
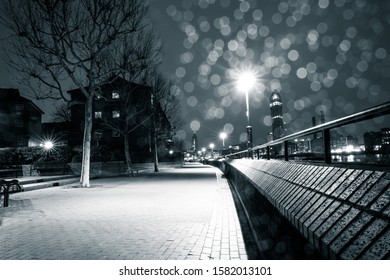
(297, 47)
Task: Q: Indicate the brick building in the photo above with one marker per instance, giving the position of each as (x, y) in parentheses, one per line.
(20, 120)
(110, 113)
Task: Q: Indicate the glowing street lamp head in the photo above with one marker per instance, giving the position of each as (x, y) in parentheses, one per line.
(223, 135)
(246, 81)
(48, 145)
(212, 146)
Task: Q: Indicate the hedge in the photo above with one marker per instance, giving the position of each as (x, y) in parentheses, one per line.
(28, 155)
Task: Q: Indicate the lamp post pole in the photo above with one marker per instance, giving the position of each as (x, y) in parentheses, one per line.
(248, 127)
(245, 82)
(223, 136)
(212, 150)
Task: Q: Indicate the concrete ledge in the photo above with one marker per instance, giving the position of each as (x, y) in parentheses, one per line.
(343, 213)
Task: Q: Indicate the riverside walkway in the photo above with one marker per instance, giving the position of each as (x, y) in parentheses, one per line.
(179, 213)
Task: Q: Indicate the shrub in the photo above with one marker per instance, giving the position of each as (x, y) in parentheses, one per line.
(28, 155)
(101, 153)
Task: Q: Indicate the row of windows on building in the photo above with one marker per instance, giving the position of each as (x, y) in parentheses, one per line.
(114, 95)
(98, 134)
(114, 114)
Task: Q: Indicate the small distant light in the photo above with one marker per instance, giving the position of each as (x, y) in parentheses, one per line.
(170, 152)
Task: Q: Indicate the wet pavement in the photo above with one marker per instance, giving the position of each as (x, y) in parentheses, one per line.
(179, 213)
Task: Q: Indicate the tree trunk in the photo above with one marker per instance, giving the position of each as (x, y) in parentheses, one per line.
(85, 166)
(154, 141)
(155, 158)
(129, 164)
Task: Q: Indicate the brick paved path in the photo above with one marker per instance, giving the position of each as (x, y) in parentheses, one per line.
(185, 213)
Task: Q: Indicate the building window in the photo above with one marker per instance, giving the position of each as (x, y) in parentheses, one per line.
(275, 103)
(115, 134)
(98, 114)
(115, 95)
(115, 114)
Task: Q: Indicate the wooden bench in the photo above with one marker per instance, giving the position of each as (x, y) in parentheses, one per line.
(51, 168)
(8, 187)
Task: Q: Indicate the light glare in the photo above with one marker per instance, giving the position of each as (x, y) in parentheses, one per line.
(246, 81)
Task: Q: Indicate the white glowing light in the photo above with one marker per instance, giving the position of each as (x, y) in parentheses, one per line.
(246, 81)
(48, 145)
(223, 135)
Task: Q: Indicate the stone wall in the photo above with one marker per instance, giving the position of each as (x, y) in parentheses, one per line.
(343, 213)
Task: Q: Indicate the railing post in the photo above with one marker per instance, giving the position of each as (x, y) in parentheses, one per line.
(285, 150)
(327, 152)
(258, 153)
(268, 153)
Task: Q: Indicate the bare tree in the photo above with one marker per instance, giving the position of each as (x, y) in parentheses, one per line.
(134, 57)
(62, 113)
(165, 114)
(56, 44)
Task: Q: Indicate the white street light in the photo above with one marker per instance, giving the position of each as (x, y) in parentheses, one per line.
(223, 136)
(212, 149)
(48, 145)
(245, 83)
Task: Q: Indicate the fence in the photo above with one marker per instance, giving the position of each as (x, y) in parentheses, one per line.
(318, 142)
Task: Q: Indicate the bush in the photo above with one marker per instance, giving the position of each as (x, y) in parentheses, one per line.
(58, 154)
(29, 155)
(9, 156)
(101, 154)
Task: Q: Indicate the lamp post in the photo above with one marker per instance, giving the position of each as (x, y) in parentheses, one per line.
(203, 154)
(48, 145)
(223, 136)
(212, 149)
(245, 83)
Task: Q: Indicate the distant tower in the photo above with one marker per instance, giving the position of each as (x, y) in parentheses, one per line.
(275, 104)
(322, 117)
(195, 143)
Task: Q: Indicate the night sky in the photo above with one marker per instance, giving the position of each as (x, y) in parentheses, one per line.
(329, 55)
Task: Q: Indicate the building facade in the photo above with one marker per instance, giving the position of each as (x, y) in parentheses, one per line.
(20, 120)
(377, 141)
(120, 106)
(275, 104)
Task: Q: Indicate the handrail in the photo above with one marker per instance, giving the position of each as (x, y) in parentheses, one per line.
(380, 110)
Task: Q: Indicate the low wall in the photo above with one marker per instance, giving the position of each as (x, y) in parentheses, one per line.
(113, 168)
(343, 213)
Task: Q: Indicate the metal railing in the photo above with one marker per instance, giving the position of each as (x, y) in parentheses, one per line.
(280, 148)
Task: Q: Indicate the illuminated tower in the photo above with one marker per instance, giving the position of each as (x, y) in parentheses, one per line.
(275, 104)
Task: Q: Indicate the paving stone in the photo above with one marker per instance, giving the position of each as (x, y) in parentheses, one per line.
(174, 214)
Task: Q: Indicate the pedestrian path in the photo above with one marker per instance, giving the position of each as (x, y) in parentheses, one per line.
(179, 213)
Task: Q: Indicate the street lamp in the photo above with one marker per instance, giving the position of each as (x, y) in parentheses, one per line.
(48, 145)
(212, 149)
(245, 82)
(223, 136)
